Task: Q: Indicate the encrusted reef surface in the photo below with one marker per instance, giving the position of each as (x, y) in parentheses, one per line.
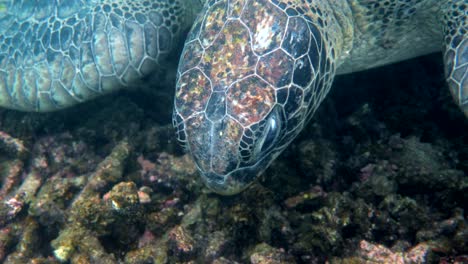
(379, 176)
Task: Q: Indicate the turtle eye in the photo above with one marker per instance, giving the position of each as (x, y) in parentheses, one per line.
(272, 129)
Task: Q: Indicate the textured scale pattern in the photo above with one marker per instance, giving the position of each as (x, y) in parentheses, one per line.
(244, 63)
(56, 53)
(456, 51)
(387, 31)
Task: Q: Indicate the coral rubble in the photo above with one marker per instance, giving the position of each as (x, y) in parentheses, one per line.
(381, 179)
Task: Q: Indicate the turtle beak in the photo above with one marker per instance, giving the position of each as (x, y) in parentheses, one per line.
(230, 184)
(236, 180)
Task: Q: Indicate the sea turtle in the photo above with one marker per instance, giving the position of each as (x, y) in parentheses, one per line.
(253, 72)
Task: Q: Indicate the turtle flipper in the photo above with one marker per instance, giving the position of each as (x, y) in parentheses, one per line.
(456, 51)
(54, 54)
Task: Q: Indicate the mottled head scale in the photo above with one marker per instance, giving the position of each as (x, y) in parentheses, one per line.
(251, 74)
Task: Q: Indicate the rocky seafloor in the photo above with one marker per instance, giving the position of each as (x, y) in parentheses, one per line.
(378, 176)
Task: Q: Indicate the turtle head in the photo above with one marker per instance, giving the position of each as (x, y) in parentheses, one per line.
(246, 86)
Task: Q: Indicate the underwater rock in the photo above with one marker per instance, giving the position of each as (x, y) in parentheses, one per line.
(403, 216)
(168, 173)
(8, 236)
(76, 243)
(425, 165)
(150, 253)
(371, 253)
(114, 187)
(324, 230)
(88, 208)
(13, 147)
(28, 245)
(452, 233)
(318, 159)
(150, 249)
(181, 244)
(364, 126)
(123, 197)
(305, 197)
(265, 254)
(50, 203)
(125, 213)
(88, 213)
(377, 180)
(223, 261)
(14, 204)
(63, 153)
(158, 222)
(274, 226)
(217, 244)
(454, 260)
(144, 195)
(10, 171)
